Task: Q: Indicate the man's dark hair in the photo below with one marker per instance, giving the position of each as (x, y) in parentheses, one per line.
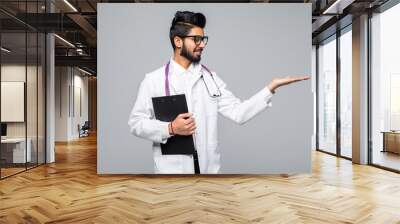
(183, 22)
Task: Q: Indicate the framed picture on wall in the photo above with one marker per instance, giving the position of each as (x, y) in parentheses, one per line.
(12, 101)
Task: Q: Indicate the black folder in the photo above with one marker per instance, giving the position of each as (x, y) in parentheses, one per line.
(166, 108)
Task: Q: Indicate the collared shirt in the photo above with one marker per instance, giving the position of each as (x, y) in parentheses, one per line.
(183, 76)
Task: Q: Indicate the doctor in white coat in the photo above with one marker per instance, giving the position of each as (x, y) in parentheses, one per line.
(206, 95)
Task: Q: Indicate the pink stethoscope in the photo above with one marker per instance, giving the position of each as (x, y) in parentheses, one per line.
(213, 95)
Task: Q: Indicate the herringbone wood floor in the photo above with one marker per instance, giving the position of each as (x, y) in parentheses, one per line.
(70, 191)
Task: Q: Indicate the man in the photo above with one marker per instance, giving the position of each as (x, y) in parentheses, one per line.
(206, 95)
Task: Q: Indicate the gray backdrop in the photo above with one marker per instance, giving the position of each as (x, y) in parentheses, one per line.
(249, 44)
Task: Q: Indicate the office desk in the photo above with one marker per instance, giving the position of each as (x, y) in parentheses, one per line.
(391, 141)
(13, 150)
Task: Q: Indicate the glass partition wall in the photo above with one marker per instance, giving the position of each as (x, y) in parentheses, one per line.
(345, 62)
(327, 95)
(385, 89)
(334, 90)
(22, 88)
(334, 104)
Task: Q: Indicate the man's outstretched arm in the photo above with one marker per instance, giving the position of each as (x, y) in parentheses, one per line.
(242, 111)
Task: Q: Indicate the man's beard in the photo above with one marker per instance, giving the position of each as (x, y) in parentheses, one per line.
(189, 55)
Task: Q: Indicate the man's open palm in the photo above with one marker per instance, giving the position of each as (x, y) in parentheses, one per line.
(277, 82)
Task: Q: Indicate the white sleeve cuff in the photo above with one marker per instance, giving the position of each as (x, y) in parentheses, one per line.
(165, 132)
(265, 94)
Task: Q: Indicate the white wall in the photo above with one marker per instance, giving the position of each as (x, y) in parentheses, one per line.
(61, 103)
(67, 116)
(80, 83)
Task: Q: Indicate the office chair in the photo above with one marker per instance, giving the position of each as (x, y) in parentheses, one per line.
(84, 130)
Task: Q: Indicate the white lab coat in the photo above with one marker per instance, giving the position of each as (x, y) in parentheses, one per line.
(205, 111)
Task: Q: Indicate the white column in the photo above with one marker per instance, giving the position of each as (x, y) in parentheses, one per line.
(50, 100)
(360, 90)
(314, 92)
(50, 92)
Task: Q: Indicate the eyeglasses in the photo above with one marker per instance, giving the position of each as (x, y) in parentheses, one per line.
(198, 39)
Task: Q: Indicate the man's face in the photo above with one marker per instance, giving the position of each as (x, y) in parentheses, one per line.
(189, 49)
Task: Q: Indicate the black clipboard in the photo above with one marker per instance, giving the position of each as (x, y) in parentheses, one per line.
(166, 108)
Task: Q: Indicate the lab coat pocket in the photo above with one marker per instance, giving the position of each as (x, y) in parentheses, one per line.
(213, 100)
(171, 164)
(213, 146)
(212, 106)
(214, 163)
(212, 128)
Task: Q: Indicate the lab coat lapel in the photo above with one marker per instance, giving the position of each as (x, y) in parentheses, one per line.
(173, 77)
(196, 77)
(173, 86)
(194, 80)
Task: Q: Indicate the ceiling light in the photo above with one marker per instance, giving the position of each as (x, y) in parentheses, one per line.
(5, 50)
(64, 40)
(326, 11)
(84, 71)
(70, 5)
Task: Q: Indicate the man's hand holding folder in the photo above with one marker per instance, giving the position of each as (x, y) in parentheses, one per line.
(173, 109)
(183, 124)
